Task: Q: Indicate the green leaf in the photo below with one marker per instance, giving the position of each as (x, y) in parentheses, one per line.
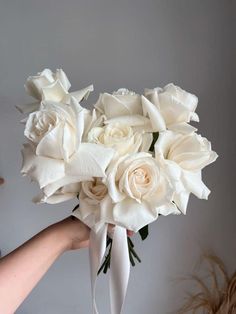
(155, 137)
(143, 232)
(77, 206)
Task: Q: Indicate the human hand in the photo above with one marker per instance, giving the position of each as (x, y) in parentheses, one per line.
(111, 231)
(72, 232)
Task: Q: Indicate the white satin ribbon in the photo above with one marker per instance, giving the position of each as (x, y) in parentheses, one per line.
(119, 267)
(97, 248)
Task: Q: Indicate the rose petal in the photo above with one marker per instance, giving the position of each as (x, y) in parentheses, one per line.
(181, 200)
(41, 169)
(34, 84)
(165, 140)
(82, 93)
(147, 139)
(120, 105)
(195, 161)
(50, 145)
(62, 77)
(131, 120)
(132, 215)
(157, 121)
(63, 182)
(54, 92)
(90, 160)
(183, 128)
(193, 183)
(186, 98)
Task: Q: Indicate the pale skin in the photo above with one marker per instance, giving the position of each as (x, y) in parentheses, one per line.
(22, 269)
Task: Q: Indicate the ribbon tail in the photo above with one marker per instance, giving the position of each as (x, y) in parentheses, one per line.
(97, 250)
(119, 269)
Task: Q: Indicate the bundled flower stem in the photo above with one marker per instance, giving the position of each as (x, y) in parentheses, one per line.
(132, 255)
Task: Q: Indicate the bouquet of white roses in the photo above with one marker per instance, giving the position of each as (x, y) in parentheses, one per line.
(128, 160)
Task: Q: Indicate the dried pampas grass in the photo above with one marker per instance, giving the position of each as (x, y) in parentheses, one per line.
(216, 291)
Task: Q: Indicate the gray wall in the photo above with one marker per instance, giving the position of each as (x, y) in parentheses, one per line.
(112, 44)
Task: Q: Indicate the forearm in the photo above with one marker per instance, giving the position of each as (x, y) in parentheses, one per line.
(21, 270)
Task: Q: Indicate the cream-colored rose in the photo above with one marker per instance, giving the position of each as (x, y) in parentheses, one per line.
(139, 177)
(90, 160)
(49, 86)
(95, 205)
(139, 191)
(53, 130)
(176, 106)
(55, 133)
(120, 103)
(132, 195)
(183, 156)
(94, 191)
(62, 194)
(37, 86)
(129, 108)
(191, 152)
(121, 138)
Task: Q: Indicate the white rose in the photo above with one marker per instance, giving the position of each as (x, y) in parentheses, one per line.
(140, 191)
(53, 130)
(120, 103)
(134, 193)
(49, 86)
(41, 169)
(62, 194)
(36, 86)
(176, 106)
(55, 133)
(95, 205)
(184, 156)
(130, 108)
(94, 191)
(58, 179)
(120, 137)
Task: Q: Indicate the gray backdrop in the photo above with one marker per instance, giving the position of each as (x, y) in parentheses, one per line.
(112, 44)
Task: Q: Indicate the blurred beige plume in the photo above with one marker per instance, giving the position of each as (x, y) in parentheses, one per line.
(216, 291)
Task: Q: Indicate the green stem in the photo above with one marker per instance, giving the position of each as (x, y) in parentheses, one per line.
(107, 260)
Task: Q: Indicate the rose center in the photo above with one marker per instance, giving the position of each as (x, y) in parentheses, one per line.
(95, 190)
(45, 123)
(141, 176)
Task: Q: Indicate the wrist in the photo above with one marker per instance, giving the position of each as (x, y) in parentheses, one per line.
(70, 234)
(59, 237)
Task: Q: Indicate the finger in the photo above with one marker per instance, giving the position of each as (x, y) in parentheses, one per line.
(130, 233)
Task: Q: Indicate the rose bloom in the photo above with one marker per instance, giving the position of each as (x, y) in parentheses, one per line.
(53, 130)
(122, 138)
(121, 103)
(62, 194)
(51, 86)
(94, 191)
(176, 106)
(129, 108)
(56, 155)
(132, 195)
(183, 156)
(139, 190)
(95, 205)
(48, 85)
